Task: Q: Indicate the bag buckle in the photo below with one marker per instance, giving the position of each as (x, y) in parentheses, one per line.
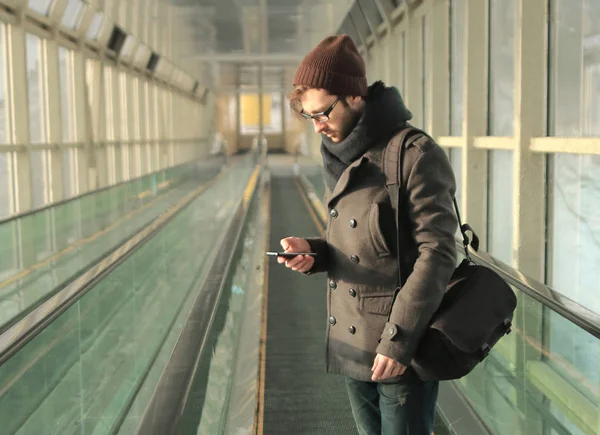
(507, 326)
(485, 350)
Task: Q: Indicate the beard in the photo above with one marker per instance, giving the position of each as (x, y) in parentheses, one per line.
(351, 120)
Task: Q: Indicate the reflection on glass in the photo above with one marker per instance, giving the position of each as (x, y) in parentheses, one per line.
(503, 20)
(575, 68)
(34, 88)
(95, 26)
(526, 386)
(457, 51)
(500, 205)
(575, 227)
(40, 6)
(72, 14)
(85, 368)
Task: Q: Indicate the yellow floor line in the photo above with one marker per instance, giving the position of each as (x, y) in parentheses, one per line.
(314, 217)
(260, 414)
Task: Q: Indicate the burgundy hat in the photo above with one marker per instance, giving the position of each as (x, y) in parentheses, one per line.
(336, 66)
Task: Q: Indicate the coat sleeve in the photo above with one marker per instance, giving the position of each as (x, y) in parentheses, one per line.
(430, 189)
(320, 246)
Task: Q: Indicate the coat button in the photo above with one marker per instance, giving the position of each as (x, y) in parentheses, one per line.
(333, 213)
(354, 259)
(352, 330)
(332, 320)
(352, 292)
(332, 285)
(352, 223)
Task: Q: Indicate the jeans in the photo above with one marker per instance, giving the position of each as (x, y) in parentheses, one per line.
(403, 408)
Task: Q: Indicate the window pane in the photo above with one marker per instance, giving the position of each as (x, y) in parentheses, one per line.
(350, 30)
(360, 21)
(388, 5)
(4, 157)
(65, 96)
(426, 68)
(4, 185)
(500, 205)
(38, 187)
(34, 72)
(575, 228)
(40, 6)
(370, 9)
(72, 14)
(575, 68)
(456, 162)
(402, 78)
(502, 66)
(3, 103)
(68, 162)
(457, 50)
(95, 26)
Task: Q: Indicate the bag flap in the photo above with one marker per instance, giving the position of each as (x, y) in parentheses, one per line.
(476, 302)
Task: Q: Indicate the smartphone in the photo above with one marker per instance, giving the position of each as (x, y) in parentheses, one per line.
(290, 254)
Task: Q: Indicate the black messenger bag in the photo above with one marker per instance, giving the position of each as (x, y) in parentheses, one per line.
(478, 306)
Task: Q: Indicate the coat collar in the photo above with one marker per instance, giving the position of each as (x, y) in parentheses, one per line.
(373, 155)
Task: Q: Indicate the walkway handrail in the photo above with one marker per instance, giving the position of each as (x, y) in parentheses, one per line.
(26, 329)
(163, 414)
(91, 192)
(581, 316)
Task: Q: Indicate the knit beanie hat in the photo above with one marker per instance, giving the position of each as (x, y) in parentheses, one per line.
(336, 66)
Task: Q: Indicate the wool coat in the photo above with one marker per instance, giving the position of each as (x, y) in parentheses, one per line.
(358, 252)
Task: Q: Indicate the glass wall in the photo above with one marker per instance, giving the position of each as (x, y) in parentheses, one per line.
(500, 205)
(458, 35)
(5, 157)
(575, 68)
(575, 227)
(65, 70)
(402, 68)
(426, 62)
(35, 98)
(40, 6)
(502, 67)
(72, 14)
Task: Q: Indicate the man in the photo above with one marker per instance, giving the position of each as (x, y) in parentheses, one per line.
(358, 253)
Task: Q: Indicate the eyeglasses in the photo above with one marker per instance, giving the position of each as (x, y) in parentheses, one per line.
(321, 116)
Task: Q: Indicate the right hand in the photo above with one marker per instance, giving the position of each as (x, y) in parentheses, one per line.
(300, 263)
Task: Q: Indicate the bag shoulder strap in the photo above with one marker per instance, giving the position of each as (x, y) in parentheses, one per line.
(393, 167)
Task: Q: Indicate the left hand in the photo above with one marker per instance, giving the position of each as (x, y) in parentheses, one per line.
(385, 367)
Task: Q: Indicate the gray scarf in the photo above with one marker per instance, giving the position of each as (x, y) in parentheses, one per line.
(384, 115)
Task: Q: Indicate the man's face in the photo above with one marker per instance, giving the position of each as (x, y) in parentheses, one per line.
(342, 119)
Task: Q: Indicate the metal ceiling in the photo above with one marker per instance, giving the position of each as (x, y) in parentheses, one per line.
(222, 41)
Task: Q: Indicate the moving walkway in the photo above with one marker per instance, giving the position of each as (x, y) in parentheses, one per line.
(181, 325)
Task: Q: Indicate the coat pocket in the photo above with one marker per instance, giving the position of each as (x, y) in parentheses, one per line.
(377, 303)
(377, 238)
